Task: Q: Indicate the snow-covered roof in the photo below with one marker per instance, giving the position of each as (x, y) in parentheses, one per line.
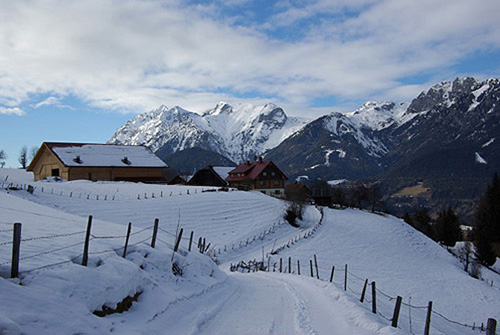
(105, 155)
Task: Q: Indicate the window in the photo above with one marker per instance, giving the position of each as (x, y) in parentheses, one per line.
(55, 172)
(264, 174)
(262, 183)
(276, 183)
(273, 174)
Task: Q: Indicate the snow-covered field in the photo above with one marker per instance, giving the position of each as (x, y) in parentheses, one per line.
(56, 295)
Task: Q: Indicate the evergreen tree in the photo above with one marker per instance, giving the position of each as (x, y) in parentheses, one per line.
(487, 229)
(422, 222)
(448, 228)
(407, 218)
(484, 247)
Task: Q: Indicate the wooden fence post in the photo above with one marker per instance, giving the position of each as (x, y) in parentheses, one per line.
(311, 265)
(199, 244)
(397, 308)
(364, 291)
(428, 319)
(85, 256)
(374, 298)
(298, 267)
(491, 328)
(289, 264)
(345, 278)
(281, 265)
(331, 275)
(16, 248)
(126, 239)
(191, 241)
(316, 266)
(176, 247)
(155, 232)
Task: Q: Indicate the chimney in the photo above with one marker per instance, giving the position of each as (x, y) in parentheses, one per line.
(126, 161)
(260, 160)
(248, 162)
(77, 160)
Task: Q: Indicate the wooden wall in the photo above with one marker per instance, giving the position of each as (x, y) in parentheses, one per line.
(48, 161)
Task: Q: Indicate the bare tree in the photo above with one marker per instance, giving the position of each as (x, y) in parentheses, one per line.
(23, 157)
(3, 157)
(33, 152)
(465, 253)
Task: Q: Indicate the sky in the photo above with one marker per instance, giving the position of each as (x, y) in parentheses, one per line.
(75, 71)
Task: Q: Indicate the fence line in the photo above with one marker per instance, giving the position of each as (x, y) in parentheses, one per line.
(105, 197)
(254, 266)
(202, 248)
(297, 238)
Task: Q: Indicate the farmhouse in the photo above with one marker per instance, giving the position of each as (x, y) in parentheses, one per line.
(211, 176)
(96, 162)
(260, 175)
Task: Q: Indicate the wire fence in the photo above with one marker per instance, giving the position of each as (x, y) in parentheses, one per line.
(46, 251)
(168, 193)
(413, 318)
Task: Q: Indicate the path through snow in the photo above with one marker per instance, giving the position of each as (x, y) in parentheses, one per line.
(265, 303)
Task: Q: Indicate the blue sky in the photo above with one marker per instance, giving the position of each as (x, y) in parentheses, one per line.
(75, 71)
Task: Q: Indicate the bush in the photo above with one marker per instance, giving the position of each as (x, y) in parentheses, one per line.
(293, 212)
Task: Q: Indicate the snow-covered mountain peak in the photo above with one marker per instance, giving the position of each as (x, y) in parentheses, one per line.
(221, 108)
(448, 93)
(378, 115)
(235, 132)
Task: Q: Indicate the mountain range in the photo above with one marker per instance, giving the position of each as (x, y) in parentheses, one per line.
(237, 133)
(446, 141)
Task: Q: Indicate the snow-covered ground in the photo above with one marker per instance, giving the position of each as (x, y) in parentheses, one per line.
(56, 295)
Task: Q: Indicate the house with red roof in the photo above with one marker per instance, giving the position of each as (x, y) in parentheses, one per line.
(263, 176)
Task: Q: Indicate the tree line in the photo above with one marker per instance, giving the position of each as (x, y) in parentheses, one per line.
(485, 235)
(24, 157)
(445, 229)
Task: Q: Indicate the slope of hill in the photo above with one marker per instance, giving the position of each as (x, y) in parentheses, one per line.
(204, 300)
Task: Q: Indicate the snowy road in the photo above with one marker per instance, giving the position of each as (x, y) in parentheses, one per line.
(264, 303)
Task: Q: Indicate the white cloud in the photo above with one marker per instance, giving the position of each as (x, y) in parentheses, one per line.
(12, 111)
(52, 101)
(134, 55)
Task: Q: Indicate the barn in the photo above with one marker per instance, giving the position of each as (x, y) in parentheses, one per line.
(211, 176)
(97, 162)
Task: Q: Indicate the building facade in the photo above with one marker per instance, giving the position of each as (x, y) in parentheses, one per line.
(96, 162)
(263, 176)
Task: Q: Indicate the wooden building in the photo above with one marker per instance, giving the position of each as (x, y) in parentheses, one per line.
(97, 162)
(263, 176)
(211, 176)
(172, 177)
